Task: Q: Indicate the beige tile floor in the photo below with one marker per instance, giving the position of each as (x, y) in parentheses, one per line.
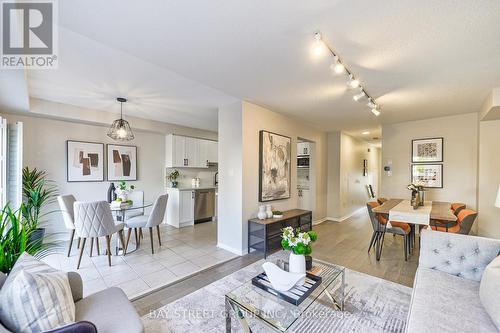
(183, 252)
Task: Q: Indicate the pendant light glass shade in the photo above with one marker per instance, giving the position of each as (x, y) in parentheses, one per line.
(120, 129)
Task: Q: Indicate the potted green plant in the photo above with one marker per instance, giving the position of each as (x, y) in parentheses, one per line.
(299, 243)
(16, 237)
(172, 177)
(38, 193)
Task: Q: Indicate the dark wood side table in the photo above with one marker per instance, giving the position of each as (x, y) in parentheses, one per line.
(265, 235)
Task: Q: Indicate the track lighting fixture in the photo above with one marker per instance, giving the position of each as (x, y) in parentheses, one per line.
(338, 67)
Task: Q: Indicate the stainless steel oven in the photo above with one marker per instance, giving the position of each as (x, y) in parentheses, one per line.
(303, 162)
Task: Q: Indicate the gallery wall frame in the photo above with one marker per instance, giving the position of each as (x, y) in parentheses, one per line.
(427, 150)
(121, 162)
(430, 175)
(275, 166)
(84, 161)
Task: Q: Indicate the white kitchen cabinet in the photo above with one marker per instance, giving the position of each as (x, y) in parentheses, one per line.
(187, 152)
(212, 150)
(180, 208)
(203, 153)
(192, 148)
(303, 148)
(304, 199)
(178, 150)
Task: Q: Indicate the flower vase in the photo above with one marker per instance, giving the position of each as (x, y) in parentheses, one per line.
(262, 215)
(297, 264)
(269, 211)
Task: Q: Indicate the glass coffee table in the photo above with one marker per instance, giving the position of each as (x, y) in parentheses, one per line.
(249, 301)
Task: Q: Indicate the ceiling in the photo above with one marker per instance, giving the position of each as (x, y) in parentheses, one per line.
(177, 61)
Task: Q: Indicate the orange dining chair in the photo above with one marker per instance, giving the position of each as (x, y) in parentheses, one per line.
(456, 207)
(465, 220)
(381, 201)
(379, 224)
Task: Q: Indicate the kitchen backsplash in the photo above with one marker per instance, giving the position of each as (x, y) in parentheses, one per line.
(206, 176)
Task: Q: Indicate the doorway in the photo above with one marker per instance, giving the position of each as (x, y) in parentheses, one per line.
(306, 175)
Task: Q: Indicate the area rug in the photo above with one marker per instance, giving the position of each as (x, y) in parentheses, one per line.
(371, 305)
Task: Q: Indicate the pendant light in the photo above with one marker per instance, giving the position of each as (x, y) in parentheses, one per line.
(120, 129)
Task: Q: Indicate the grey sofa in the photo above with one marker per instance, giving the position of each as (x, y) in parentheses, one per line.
(107, 311)
(446, 288)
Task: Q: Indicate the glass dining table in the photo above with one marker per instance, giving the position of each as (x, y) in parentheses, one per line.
(121, 214)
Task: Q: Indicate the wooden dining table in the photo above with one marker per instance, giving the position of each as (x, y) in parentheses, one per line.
(439, 211)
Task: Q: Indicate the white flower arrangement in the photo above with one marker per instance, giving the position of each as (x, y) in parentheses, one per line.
(297, 241)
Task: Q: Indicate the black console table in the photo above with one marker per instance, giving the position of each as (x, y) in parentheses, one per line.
(265, 235)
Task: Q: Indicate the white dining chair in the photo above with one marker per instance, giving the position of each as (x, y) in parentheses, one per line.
(137, 198)
(148, 221)
(66, 204)
(94, 220)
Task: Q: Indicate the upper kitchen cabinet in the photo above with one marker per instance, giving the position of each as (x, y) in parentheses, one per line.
(187, 152)
(303, 148)
(212, 151)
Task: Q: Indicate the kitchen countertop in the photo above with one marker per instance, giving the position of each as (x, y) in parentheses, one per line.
(193, 188)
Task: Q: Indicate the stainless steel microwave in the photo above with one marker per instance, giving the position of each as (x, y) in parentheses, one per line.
(303, 162)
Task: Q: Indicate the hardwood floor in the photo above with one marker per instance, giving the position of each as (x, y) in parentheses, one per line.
(345, 243)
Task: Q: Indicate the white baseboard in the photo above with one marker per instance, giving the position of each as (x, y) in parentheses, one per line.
(345, 217)
(319, 221)
(232, 249)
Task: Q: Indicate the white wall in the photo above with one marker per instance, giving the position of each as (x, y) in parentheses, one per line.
(45, 148)
(460, 164)
(489, 179)
(256, 118)
(347, 192)
(230, 200)
(333, 175)
(239, 126)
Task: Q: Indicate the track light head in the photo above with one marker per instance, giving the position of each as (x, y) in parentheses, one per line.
(337, 67)
(371, 104)
(319, 47)
(359, 96)
(352, 83)
(376, 111)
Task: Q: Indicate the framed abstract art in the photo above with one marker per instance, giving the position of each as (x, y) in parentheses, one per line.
(84, 161)
(274, 166)
(429, 175)
(427, 150)
(122, 162)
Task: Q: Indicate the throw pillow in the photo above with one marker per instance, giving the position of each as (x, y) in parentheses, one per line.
(35, 297)
(489, 290)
